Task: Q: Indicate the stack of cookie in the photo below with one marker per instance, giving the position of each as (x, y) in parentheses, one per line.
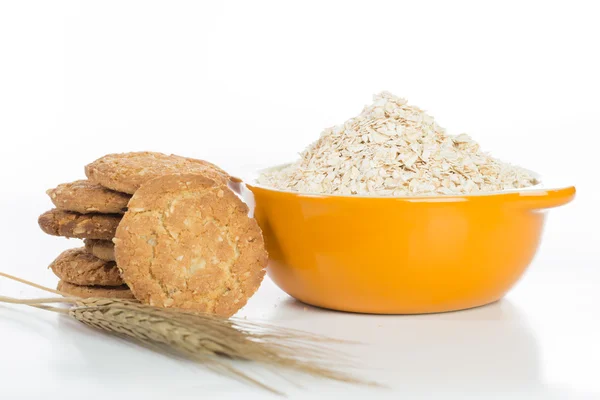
(164, 229)
(90, 212)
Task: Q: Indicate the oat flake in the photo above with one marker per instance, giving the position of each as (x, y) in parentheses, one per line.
(394, 149)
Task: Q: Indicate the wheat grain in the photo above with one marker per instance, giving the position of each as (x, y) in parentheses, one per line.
(211, 340)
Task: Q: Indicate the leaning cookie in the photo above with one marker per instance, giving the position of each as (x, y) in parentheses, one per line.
(111, 292)
(126, 172)
(85, 197)
(187, 242)
(79, 267)
(103, 249)
(83, 226)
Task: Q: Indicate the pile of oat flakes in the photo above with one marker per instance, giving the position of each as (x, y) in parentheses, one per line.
(395, 149)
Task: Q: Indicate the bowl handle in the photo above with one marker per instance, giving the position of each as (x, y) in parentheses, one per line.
(547, 199)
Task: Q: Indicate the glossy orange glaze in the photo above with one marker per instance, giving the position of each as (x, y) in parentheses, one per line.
(401, 255)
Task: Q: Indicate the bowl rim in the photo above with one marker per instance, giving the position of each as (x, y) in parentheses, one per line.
(541, 189)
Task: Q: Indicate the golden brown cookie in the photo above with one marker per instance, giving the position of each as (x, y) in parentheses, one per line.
(85, 197)
(187, 242)
(111, 292)
(126, 172)
(79, 267)
(103, 249)
(83, 226)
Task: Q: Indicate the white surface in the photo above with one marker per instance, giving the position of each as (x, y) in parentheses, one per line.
(251, 83)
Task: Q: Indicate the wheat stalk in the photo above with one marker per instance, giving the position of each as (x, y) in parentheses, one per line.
(211, 340)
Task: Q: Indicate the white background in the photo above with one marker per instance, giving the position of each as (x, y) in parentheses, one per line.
(247, 84)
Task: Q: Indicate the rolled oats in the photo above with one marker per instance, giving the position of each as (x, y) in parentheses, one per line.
(395, 149)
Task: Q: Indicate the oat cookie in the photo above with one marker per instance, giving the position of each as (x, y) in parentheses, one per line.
(114, 292)
(103, 249)
(79, 267)
(187, 242)
(126, 172)
(83, 226)
(85, 197)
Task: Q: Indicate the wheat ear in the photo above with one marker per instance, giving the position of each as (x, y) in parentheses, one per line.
(211, 340)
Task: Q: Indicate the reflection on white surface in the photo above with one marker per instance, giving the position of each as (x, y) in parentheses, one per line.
(487, 351)
(490, 347)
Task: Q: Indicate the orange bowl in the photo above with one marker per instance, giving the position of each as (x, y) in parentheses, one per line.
(404, 255)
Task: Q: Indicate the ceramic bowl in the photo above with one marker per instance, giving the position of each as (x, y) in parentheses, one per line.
(404, 255)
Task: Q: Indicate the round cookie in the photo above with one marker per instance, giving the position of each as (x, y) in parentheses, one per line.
(187, 242)
(79, 267)
(114, 292)
(85, 197)
(126, 172)
(83, 226)
(103, 249)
